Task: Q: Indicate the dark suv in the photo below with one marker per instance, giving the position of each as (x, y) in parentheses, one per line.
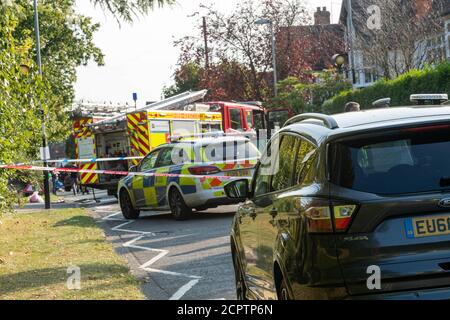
(351, 206)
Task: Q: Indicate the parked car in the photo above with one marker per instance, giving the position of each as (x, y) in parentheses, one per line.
(355, 195)
(183, 194)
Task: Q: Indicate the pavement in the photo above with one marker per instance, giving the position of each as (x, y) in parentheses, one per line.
(173, 259)
(69, 200)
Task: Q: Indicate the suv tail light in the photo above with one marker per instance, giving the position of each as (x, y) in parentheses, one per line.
(326, 218)
(204, 170)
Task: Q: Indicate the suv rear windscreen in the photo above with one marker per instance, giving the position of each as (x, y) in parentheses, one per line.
(408, 161)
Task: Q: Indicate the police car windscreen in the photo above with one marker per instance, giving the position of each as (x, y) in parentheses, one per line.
(407, 161)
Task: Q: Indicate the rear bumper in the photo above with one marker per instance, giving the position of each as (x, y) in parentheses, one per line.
(426, 294)
(208, 199)
(220, 202)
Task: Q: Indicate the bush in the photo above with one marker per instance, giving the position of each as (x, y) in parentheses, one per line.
(429, 80)
(302, 97)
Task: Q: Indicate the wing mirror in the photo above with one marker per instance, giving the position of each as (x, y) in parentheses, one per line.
(133, 169)
(238, 189)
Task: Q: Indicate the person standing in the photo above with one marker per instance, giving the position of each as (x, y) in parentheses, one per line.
(352, 107)
(54, 176)
(74, 182)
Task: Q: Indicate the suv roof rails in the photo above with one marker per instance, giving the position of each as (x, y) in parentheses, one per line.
(328, 121)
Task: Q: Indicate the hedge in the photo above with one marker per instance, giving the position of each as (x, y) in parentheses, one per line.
(429, 80)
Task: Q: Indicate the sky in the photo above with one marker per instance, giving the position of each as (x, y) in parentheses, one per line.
(140, 57)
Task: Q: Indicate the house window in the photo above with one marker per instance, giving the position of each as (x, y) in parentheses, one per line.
(357, 77)
(368, 76)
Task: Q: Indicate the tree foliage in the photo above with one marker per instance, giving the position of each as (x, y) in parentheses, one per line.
(126, 10)
(66, 43)
(19, 96)
(303, 97)
(405, 37)
(187, 77)
(239, 50)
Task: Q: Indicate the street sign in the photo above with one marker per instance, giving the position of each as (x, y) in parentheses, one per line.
(45, 153)
(135, 97)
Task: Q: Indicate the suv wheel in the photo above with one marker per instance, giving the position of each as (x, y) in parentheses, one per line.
(179, 209)
(128, 211)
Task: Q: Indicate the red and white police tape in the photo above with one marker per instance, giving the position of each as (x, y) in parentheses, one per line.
(92, 160)
(117, 173)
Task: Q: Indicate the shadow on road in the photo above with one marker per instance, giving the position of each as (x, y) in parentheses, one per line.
(149, 215)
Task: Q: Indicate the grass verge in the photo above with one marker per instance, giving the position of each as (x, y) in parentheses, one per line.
(38, 248)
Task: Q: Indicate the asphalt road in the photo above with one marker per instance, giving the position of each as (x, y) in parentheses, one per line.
(175, 259)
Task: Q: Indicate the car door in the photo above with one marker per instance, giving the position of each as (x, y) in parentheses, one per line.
(163, 166)
(247, 217)
(273, 214)
(142, 186)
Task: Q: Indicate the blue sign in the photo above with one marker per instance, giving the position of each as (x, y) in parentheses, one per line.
(134, 96)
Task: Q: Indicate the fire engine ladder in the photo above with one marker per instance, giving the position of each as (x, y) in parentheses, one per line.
(173, 103)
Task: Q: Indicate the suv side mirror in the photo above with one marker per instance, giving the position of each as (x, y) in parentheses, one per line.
(238, 189)
(133, 169)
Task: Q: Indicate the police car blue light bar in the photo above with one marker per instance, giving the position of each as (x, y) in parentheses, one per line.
(433, 98)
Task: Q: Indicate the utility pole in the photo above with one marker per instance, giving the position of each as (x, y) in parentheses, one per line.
(205, 36)
(351, 39)
(274, 60)
(264, 21)
(44, 151)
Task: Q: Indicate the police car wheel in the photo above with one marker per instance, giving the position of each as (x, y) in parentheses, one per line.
(180, 211)
(128, 211)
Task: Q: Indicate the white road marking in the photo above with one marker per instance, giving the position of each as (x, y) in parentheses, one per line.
(161, 254)
(182, 291)
(171, 273)
(112, 215)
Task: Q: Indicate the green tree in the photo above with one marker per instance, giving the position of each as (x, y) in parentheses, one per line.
(126, 10)
(303, 97)
(187, 77)
(19, 96)
(66, 43)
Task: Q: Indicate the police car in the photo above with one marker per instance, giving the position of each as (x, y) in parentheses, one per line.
(187, 175)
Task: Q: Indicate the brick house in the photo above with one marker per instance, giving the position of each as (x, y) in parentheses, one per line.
(309, 48)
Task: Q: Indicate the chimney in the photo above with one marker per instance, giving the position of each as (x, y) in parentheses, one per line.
(322, 16)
